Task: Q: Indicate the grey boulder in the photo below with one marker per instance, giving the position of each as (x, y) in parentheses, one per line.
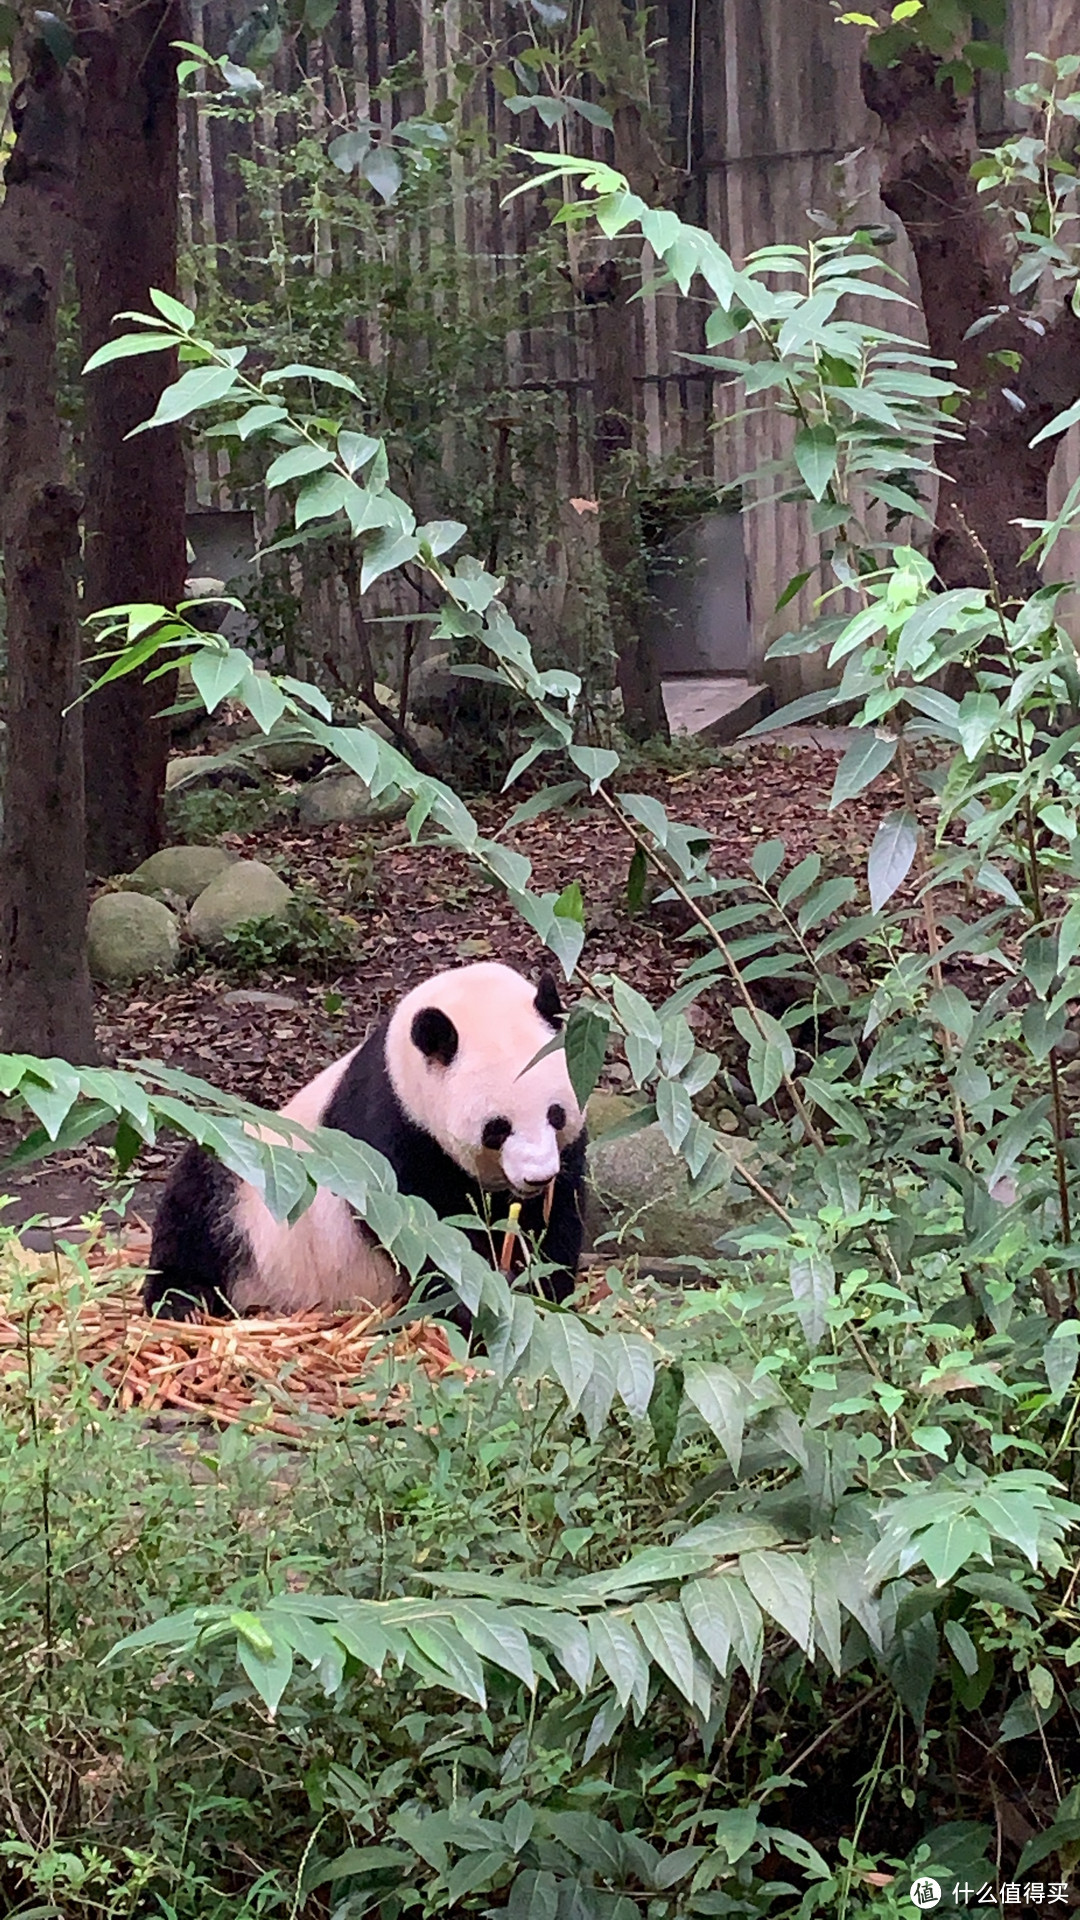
(185, 871)
(344, 797)
(130, 936)
(637, 1181)
(247, 890)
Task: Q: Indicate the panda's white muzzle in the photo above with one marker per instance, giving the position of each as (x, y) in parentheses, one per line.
(529, 1166)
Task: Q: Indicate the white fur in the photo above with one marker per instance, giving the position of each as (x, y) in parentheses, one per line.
(326, 1260)
(499, 1032)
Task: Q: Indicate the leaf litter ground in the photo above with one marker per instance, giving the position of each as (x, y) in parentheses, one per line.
(428, 909)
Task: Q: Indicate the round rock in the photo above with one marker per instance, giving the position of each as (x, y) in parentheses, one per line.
(191, 770)
(345, 797)
(637, 1179)
(130, 936)
(181, 870)
(246, 890)
(607, 1110)
(287, 749)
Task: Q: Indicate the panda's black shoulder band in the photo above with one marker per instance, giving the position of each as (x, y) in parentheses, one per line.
(435, 1034)
(548, 1005)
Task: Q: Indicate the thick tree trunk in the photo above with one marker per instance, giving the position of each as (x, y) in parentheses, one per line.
(135, 547)
(927, 146)
(46, 1005)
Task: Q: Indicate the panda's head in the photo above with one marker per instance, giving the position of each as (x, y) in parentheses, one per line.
(458, 1050)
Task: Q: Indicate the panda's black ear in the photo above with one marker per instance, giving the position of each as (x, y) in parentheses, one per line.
(435, 1034)
(548, 1005)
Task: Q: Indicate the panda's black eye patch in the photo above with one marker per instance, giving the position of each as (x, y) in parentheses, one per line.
(557, 1118)
(496, 1133)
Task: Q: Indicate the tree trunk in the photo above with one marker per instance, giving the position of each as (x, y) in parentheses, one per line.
(994, 477)
(135, 544)
(46, 1006)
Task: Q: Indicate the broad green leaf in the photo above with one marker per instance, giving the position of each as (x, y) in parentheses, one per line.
(1059, 424)
(1013, 1517)
(963, 1646)
(1060, 1356)
(269, 1676)
(444, 1649)
(812, 1280)
(296, 462)
(1069, 937)
(826, 900)
(674, 1112)
(534, 1895)
(795, 883)
(727, 1596)
(780, 1584)
(976, 722)
(356, 449)
(766, 859)
(866, 758)
(323, 497)
(634, 1368)
(621, 1655)
(50, 1091)
(664, 1404)
(347, 151)
(638, 1017)
(570, 904)
(662, 1627)
(951, 1543)
(815, 457)
(569, 1352)
(218, 674)
(708, 1619)
(948, 1007)
(172, 310)
(543, 802)
(496, 1639)
(392, 550)
(440, 535)
(891, 856)
(328, 376)
(381, 169)
(586, 1038)
(256, 418)
(677, 1051)
(127, 347)
(771, 1052)
(911, 1662)
(198, 387)
(717, 1395)
(596, 763)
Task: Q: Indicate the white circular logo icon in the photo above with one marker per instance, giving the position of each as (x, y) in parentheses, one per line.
(926, 1893)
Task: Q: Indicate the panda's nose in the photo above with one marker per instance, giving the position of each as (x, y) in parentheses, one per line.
(527, 1167)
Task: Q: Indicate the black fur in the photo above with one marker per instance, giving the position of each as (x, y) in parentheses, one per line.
(197, 1250)
(547, 1002)
(436, 1036)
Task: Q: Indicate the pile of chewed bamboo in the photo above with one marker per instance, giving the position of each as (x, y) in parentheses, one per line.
(277, 1373)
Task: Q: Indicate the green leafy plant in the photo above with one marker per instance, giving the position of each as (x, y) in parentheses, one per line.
(304, 938)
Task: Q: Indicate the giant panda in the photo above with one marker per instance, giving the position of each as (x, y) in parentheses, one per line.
(440, 1089)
